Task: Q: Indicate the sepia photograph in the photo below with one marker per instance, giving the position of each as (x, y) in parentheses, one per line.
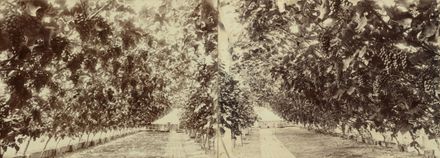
(219, 79)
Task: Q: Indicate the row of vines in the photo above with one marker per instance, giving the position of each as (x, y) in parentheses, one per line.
(217, 101)
(350, 64)
(69, 68)
(74, 67)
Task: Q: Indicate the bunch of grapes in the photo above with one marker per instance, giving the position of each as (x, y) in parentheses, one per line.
(40, 80)
(336, 7)
(102, 29)
(20, 92)
(387, 58)
(394, 59)
(84, 26)
(13, 25)
(90, 63)
(401, 59)
(75, 63)
(127, 39)
(325, 39)
(377, 84)
(19, 24)
(116, 65)
(59, 44)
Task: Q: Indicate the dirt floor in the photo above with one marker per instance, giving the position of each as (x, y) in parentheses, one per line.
(294, 141)
(143, 144)
(306, 144)
(250, 147)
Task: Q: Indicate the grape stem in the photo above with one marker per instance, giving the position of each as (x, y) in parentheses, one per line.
(100, 9)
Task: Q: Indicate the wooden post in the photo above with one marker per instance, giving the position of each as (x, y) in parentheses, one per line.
(69, 141)
(44, 149)
(241, 138)
(100, 135)
(1, 151)
(80, 138)
(27, 146)
(59, 139)
(414, 137)
(88, 136)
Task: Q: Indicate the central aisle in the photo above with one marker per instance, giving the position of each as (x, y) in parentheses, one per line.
(271, 147)
(181, 146)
